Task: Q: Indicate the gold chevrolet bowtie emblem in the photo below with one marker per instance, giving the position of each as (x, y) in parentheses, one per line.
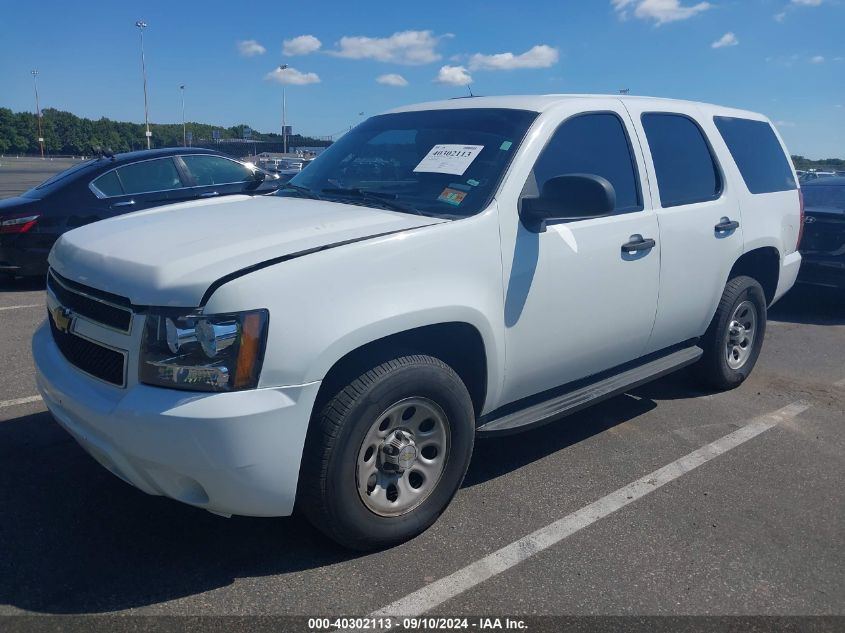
(63, 318)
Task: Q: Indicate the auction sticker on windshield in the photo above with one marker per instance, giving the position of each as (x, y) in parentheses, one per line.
(449, 159)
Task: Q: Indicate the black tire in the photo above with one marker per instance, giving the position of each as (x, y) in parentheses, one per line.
(713, 368)
(328, 493)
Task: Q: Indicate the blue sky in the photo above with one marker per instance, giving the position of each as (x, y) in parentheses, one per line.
(780, 57)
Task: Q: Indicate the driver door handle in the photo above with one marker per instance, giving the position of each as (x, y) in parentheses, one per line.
(638, 243)
(127, 203)
(209, 194)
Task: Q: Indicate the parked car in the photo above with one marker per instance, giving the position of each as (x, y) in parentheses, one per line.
(114, 185)
(813, 174)
(823, 244)
(341, 344)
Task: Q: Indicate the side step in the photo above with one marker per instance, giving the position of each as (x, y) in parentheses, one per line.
(572, 401)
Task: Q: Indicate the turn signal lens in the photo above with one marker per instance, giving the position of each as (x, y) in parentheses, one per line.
(250, 350)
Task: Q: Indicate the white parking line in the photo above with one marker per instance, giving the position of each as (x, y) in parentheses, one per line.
(440, 591)
(17, 401)
(31, 305)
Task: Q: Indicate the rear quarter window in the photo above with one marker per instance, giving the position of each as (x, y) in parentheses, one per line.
(757, 153)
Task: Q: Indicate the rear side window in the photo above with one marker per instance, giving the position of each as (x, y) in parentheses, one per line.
(109, 184)
(757, 153)
(149, 176)
(685, 167)
(592, 144)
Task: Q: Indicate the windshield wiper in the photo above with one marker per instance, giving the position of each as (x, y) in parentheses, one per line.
(305, 191)
(387, 200)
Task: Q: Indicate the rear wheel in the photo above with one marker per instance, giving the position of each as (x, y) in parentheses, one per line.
(387, 453)
(734, 339)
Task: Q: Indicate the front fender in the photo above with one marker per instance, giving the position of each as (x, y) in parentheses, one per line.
(327, 304)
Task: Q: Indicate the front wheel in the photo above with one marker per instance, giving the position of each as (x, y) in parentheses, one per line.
(387, 453)
(734, 339)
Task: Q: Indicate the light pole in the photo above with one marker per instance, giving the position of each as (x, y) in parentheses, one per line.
(184, 132)
(38, 111)
(284, 113)
(141, 26)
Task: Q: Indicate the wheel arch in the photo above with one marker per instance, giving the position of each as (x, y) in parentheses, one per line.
(762, 264)
(459, 344)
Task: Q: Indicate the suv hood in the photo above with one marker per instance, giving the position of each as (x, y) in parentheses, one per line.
(169, 256)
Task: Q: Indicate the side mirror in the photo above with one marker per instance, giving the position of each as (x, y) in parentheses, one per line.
(568, 197)
(259, 176)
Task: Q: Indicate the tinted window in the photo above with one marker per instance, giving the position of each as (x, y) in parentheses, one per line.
(214, 170)
(109, 184)
(686, 170)
(824, 196)
(592, 144)
(149, 175)
(758, 154)
(398, 161)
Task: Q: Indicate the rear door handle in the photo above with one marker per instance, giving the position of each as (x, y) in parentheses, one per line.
(726, 225)
(127, 203)
(638, 243)
(209, 194)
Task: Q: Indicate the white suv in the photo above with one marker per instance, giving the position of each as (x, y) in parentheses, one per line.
(443, 271)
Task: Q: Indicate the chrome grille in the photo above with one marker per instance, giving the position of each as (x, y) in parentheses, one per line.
(98, 361)
(101, 307)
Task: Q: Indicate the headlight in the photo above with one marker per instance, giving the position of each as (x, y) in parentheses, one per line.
(219, 352)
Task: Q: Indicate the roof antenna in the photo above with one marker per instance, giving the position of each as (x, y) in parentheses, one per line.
(470, 90)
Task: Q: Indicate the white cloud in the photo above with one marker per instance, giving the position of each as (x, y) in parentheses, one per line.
(540, 56)
(661, 11)
(301, 45)
(250, 48)
(392, 79)
(292, 76)
(728, 39)
(818, 59)
(454, 75)
(784, 124)
(405, 47)
(780, 17)
(807, 3)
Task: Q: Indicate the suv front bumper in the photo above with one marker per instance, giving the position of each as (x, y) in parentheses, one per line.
(229, 453)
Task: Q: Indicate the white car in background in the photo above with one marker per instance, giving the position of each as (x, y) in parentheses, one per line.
(443, 271)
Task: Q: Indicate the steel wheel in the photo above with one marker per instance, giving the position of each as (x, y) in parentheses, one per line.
(740, 336)
(403, 456)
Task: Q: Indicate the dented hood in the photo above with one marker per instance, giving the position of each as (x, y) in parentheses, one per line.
(169, 256)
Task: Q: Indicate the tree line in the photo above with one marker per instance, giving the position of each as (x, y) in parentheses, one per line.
(824, 164)
(66, 133)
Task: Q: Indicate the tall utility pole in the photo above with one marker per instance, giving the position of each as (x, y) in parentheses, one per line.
(38, 111)
(141, 26)
(284, 116)
(184, 129)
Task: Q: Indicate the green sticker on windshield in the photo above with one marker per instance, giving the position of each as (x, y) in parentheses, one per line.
(505, 146)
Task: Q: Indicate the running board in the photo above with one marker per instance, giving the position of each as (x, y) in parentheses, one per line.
(572, 401)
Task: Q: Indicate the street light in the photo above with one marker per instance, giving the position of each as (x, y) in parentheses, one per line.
(284, 113)
(38, 111)
(141, 26)
(184, 133)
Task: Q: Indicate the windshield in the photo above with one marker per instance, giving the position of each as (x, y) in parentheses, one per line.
(825, 196)
(445, 163)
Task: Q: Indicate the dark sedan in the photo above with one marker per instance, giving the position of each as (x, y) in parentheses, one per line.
(823, 244)
(113, 185)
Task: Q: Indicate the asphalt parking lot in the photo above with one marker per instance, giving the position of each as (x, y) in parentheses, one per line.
(749, 525)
